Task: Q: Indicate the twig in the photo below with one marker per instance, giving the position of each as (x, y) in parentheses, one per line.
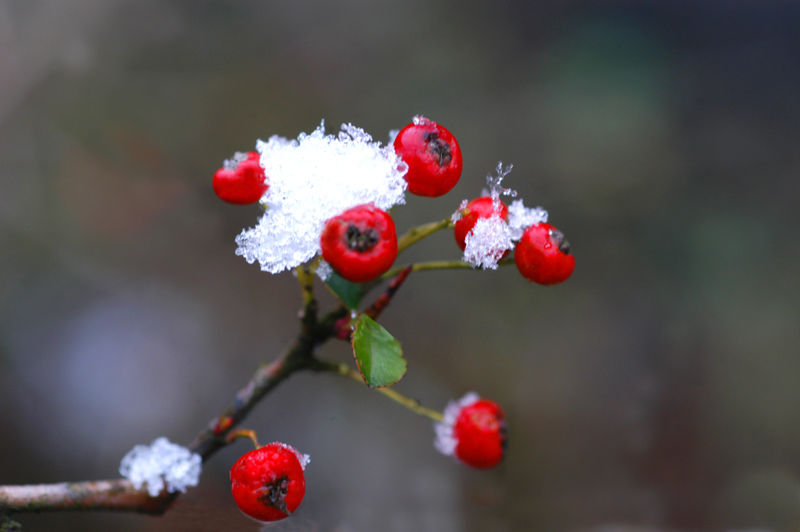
(120, 495)
(116, 495)
(415, 234)
(374, 311)
(412, 404)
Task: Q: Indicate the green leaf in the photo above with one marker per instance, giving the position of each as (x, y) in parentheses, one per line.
(349, 293)
(378, 355)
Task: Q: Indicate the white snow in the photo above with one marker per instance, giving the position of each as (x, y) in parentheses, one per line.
(311, 180)
(521, 217)
(159, 463)
(234, 162)
(304, 459)
(491, 237)
(445, 442)
(323, 270)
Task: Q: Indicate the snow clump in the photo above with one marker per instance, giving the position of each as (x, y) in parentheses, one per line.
(311, 180)
(445, 442)
(159, 463)
(491, 237)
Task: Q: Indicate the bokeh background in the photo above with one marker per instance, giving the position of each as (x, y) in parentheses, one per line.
(659, 388)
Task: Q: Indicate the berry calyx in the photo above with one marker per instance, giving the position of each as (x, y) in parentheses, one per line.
(241, 180)
(432, 155)
(474, 431)
(542, 255)
(476, 209)
(268, 483)
(360, 244)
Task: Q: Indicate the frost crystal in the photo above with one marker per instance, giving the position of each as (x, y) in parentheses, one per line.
(494, 183)
(312, 179)
(304, 459)
(323, 270)
(161, 462)
(445, 442)
(234, 162)
(521, 217)
(491, 237)
(487, 242)
(460, 212)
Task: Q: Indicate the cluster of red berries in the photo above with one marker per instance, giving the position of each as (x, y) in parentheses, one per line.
(542, 254)
(360, 244)
(269, 483)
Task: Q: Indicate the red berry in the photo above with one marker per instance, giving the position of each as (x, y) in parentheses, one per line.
(542, 255)
(432, 155)
(480, 433)
(360, 244)
(241, 180)
(268, 483)
(478, 208)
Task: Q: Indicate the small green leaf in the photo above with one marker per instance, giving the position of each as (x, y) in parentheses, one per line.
(378, 355)
(349, 293)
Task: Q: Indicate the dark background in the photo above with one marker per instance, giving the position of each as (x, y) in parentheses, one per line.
(658, 388)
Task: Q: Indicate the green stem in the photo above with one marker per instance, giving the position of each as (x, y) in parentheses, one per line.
(306, 280)
(438, 265)
(415, 234)
(412, 404)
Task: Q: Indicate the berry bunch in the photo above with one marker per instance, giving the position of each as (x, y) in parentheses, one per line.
(328, 202)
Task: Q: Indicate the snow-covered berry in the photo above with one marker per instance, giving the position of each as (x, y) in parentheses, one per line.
(479, 208)
(311, 180)
(474, 431)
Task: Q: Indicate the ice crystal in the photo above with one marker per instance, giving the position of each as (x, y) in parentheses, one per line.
(445, 441)
(521, 217)
(161, 463)
(495, 183)
(323, 270)
(491, 237)
(487, 242)
(304, 459)
(311, 180)
(460, 212)
(234, 162)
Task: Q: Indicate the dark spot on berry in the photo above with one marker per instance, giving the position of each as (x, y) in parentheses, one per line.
(561, 242)
(439, 149)
(275, 495)
(503, 435)
(361, 241)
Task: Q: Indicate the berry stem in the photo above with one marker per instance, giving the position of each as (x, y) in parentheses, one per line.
(306, 280)
(439, 265)
(415, 234)
(243, 433)
(412, 404)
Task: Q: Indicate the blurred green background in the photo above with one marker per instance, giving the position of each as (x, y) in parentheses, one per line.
(659, 388)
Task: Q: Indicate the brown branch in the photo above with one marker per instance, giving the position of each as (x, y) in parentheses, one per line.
(120, 495)
(117, 495)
